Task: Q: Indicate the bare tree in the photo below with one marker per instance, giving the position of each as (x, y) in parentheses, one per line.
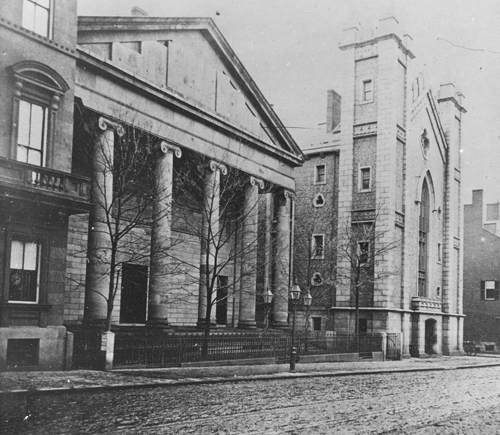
(212, 205)
(124, 193)
(315, 248)
(362, 245)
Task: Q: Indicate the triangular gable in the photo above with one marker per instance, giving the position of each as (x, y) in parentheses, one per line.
(191, 58)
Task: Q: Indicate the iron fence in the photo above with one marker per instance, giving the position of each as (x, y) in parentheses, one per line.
(393, 347)
(316, 343)
(162, 350)
(86, 349)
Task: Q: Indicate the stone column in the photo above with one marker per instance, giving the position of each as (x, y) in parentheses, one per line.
(209, 235)
(248, 280)
(159, 278)
(282, 260)
(99, 243)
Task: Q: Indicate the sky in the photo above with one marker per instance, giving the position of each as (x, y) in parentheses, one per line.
(290, 48)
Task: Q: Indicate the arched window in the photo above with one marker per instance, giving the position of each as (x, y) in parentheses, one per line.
(423, 234)
(37, 93)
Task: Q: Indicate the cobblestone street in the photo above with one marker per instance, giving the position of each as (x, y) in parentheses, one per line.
(433, 402)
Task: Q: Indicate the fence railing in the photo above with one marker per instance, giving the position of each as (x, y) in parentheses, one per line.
(162, 350)
(393, 347)
(86, 349)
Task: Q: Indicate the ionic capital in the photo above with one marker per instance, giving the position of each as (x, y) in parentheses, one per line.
(166, 147)
(106, 124)
(282, 195)
(256, 181)
(214, 166)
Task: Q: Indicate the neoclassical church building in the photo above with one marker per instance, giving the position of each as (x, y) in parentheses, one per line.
(385, 177)
(209, 185)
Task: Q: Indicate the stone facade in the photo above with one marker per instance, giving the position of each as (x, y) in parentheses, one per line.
(86, 87)
(481, 272)
(398, 182)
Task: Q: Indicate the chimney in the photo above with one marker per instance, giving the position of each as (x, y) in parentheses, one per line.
(138, 12)
(332, 110)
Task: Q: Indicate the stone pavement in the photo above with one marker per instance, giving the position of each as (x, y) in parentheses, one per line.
(80, 380)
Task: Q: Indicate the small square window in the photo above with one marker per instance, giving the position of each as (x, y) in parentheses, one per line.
(367, 95)
(320, 174)
(365, 179)
(22, 354)
(489, 290)
(318, 246)
(316, 323)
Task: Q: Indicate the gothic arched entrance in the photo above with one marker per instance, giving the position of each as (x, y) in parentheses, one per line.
(430, 336)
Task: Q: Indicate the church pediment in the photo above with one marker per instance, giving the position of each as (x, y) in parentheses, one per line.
(190, 58)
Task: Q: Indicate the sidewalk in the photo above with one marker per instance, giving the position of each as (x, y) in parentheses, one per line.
(83, 380)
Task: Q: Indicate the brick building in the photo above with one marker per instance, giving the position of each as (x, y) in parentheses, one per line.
(392, 149)
(77, 91)
(482, 271)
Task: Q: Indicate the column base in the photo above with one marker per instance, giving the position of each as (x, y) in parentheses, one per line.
(201, 323)
(280, 325)
(247, 324)
(94, 323)
(158, 324)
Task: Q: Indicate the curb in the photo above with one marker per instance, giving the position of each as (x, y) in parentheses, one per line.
(219, 380)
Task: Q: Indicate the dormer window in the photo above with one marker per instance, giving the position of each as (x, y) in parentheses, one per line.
(36, 16)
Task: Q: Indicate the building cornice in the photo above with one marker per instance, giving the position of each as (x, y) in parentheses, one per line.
(181, 103)
(405, 50)
(207, 26)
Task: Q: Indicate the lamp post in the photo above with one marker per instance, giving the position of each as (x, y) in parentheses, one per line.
(307, 302)
(294, 296)
(268, 299)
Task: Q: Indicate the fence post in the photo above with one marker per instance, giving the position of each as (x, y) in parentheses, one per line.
(400, 345)
(384, 344)
(107, 350)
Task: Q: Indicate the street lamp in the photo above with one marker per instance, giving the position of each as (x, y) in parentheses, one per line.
(307, 302)
(268, 299)
(294, 296)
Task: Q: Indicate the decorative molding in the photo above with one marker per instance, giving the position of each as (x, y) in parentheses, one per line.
(256, 181)
(106, 124)
(365, 129)
(358, 216)
(401, 133)
(400, 219)
(214, 166)
(426, 304)
(166, 147)
(366, 51)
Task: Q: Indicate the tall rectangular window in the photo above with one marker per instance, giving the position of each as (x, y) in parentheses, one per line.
(318, 246)
(320, 174)
(365, 179)
(367, 91)
(31, 133)
(36, 16)
(24, 271)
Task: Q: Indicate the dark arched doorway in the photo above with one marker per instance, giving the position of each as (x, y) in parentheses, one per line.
(430, 337)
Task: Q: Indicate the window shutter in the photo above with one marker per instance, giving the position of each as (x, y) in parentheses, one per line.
(481, 292)
(497, 291)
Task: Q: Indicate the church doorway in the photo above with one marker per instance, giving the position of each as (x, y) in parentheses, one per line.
(134, 296)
